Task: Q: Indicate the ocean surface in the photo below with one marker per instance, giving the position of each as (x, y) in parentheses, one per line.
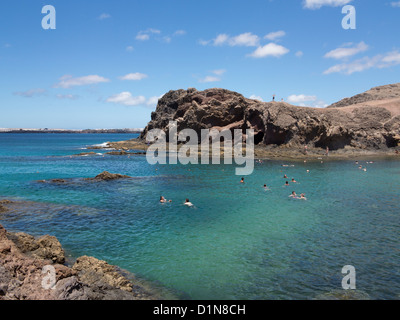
(239, 241)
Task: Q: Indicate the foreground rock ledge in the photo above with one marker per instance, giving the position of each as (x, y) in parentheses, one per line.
(22, 258)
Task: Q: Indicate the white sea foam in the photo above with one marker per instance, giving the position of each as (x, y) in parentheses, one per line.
(102, 145)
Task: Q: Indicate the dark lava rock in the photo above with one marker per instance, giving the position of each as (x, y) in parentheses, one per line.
(106, 176)
(372, 126)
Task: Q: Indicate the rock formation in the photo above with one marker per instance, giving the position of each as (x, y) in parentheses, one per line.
(106, 176)
(370, 121)
(22, 258)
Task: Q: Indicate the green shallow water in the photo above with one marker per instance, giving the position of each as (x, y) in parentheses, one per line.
(238, 242)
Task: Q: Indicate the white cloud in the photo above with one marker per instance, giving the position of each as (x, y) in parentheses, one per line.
(273, 36)
(392, 58)
(245, 39)
(387, 60)
(254, 97)
(179, 33)
(300, 98)
(30, 93)
(145, 35)
(142, 36)
(152, 102)
(66, 96)
(306, 100)
(134, 76)
(317, 4)
(346, 52)
(126, 99)
(221, 39)
(299, 54)
(269, 50)
(203, 42)
(215, 78)
(210, 79)
(68, 81)
(129, 48)
(219, 72)
(395, 4)
(104, 16)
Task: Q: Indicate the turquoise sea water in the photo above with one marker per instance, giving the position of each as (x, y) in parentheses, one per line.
(238, 242)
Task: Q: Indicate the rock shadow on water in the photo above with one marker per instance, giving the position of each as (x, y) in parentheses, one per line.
(21, 209)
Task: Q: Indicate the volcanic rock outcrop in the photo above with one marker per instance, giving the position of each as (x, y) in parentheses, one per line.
(23, 259)
(370, 121)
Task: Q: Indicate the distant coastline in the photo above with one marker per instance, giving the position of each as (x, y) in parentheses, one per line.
(84, 131)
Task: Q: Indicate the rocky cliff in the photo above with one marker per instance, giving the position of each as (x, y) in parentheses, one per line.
(370, 121)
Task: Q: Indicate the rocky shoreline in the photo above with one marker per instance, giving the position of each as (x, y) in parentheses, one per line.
(24, 260)
(284, 152)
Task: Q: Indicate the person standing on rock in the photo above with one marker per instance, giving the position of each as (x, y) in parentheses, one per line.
(327, 151)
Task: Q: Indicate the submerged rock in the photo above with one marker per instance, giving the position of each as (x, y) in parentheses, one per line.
(118, 153)
(344, 295)
(85, 154)
(55, 181)
(106, 176)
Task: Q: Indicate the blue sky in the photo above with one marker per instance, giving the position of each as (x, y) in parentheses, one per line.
(107, 62)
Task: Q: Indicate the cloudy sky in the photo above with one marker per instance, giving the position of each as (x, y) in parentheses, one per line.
(107, 62)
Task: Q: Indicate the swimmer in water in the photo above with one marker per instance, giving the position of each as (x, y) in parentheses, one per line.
(163, 200)
(188, 203)
(242, 181)
(285, 176)
(293, 195)
(294, 181)
(303, 196)
(287, 183)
